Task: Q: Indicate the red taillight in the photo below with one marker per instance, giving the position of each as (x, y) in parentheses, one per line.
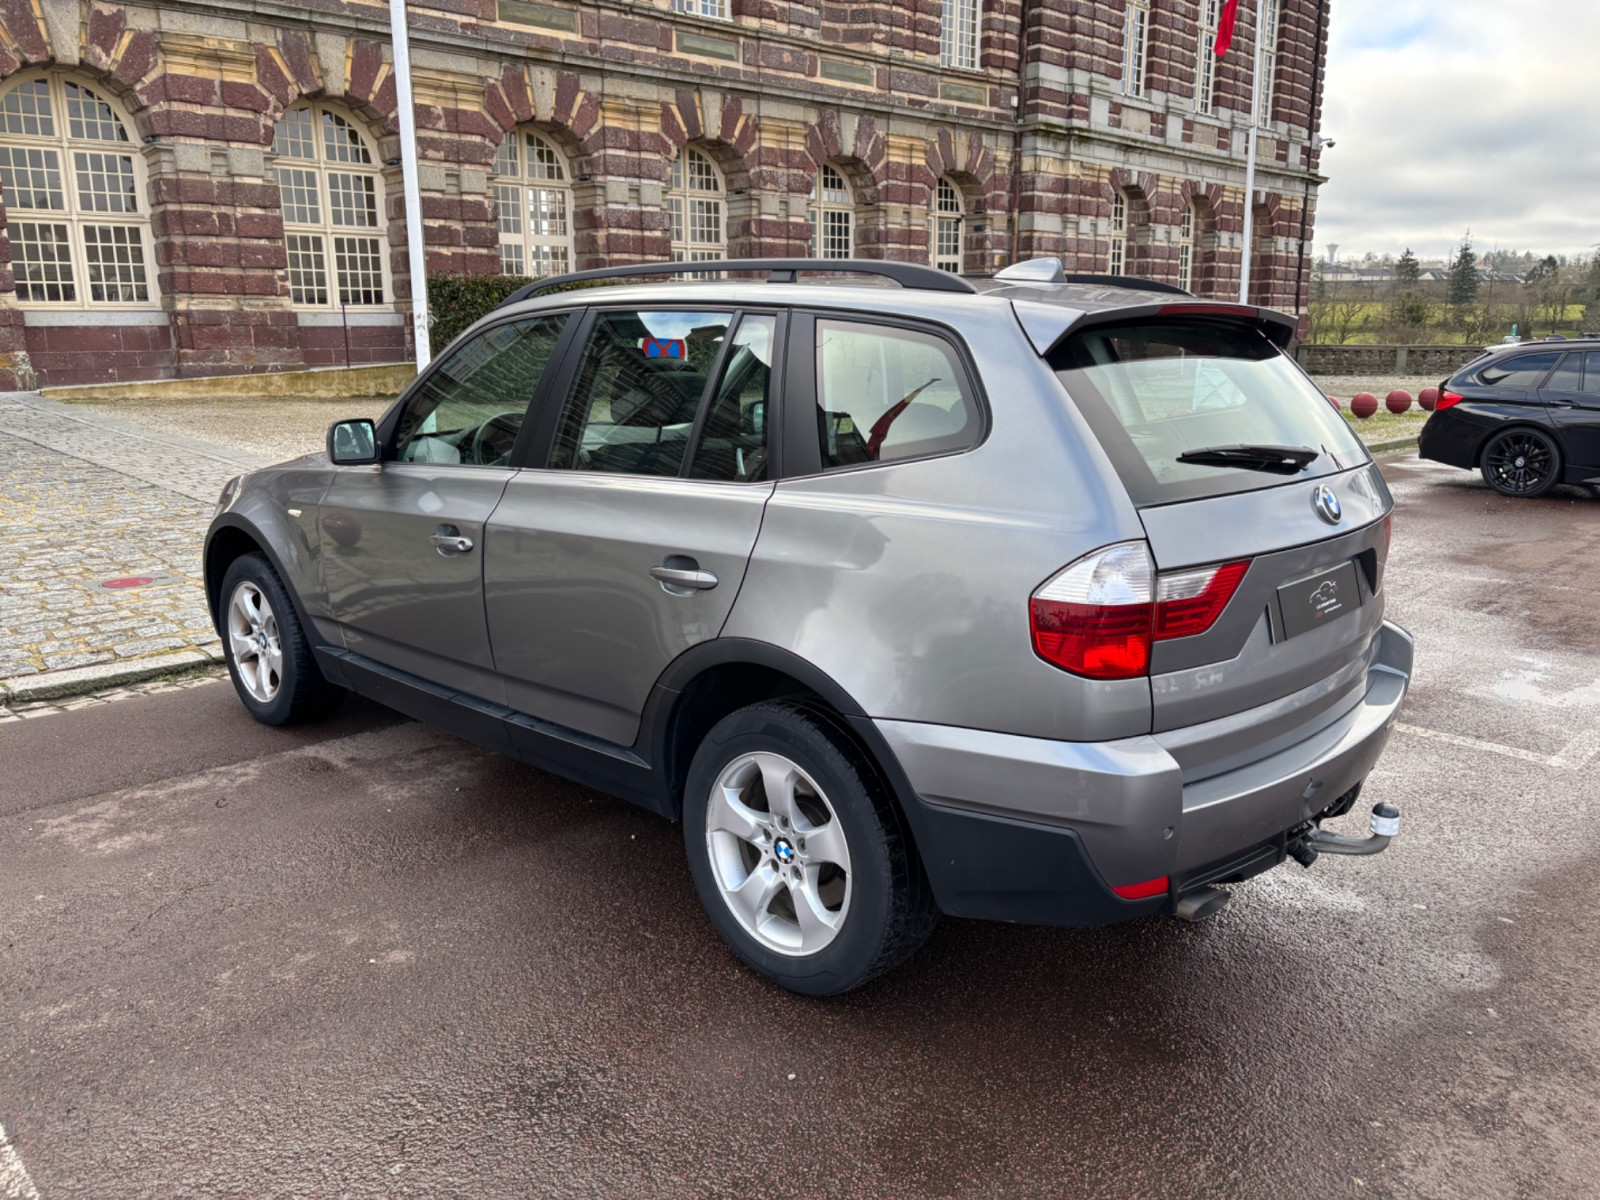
(1190, 602)
(1446, 399)
(1093, 618)
(1142, 891)
(1208, 310)
(1099, 617)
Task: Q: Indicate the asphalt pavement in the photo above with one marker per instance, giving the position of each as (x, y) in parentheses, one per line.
(366, 959)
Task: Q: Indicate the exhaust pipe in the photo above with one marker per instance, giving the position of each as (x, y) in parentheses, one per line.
(1384, 827)
(1201, 903)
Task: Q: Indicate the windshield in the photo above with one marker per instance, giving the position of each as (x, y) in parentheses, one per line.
(1153, 391)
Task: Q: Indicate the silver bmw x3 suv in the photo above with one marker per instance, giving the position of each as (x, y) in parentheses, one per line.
(1034, 598)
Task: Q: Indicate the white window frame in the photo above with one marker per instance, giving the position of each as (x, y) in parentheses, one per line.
(832, 209)
(1186, 248)
(58, 164)
(1117, 256)
(1135, 46)
(1268, 84)
(960, 23)
(1205, 66)
(715, 10)
(695, 200)
(948, 245)
(297, 175)
(533, 205)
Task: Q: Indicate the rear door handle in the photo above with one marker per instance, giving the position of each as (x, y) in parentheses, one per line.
(679, 577)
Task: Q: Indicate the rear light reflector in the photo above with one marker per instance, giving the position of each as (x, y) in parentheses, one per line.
(1446, 399)
(1189, 602)
(1208, 310)
(1093, 618)
(1142, 891)
(1099, 616)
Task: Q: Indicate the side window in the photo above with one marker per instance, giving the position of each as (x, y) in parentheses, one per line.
(1523, 371)
(1591, 373)
(1568, 376)
(733, 441)
(470, 408)
(885, 394)
(637, 391)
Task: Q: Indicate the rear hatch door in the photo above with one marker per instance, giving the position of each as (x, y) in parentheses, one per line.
(1232, 455)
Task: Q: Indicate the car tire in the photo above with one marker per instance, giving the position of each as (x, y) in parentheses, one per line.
(1521, 462)
(827, 927)
(269, 658)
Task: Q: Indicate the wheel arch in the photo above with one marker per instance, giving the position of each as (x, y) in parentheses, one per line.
(715, 678)
(232, 537)
(1512, 426)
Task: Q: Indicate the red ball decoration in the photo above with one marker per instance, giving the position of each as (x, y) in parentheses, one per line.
(1334, 400)
(1428, 397)
(1397, 401)
(1363, 404)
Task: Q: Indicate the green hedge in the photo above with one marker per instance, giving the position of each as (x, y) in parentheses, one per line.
(456, 301)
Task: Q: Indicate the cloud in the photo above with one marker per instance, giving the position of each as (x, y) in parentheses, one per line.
(1452, 114)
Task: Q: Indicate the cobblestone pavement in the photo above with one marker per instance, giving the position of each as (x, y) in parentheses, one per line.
(86, 498)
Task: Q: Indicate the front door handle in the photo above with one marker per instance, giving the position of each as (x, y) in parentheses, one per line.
(680, 581)
(449, 542)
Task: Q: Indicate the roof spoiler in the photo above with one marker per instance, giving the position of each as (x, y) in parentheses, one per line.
(1047, 325)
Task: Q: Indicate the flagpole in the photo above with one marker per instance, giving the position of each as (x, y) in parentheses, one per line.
(415, 253)
(1250, 161)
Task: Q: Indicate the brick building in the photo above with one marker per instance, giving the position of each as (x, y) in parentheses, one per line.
(197, 188)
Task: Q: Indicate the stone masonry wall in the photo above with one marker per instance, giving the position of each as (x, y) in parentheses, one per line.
(620, 87)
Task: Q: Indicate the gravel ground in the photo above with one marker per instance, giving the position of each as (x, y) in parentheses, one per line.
(276, 429)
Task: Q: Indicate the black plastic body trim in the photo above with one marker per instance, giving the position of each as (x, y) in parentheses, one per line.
(979, 866)
(230, 520)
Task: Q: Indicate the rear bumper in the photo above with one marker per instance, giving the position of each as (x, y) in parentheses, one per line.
(1019, 828)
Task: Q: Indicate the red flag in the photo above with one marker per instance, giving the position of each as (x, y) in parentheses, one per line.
(1230, 13)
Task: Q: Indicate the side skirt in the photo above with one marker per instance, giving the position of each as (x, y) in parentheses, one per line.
(591, 761)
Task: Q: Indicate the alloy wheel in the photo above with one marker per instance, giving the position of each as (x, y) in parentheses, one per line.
(254, 641)
(778, 853)
(1519, 463)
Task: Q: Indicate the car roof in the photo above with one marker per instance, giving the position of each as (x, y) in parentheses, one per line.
(1046, 310)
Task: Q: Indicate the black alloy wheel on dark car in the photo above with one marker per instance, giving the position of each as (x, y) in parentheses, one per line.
(1521, 462)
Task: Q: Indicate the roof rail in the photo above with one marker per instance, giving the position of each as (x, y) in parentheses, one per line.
(1127, 281)
(783, 270)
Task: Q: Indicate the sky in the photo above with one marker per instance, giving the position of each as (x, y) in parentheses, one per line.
(1458, 114)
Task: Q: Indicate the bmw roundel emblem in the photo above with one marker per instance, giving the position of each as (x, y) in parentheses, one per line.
(783, 851)
(1327, 504)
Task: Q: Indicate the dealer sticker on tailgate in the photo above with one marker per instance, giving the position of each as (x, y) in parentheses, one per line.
(1313, 602)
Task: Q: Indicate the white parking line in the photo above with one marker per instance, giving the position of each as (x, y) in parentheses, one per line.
(1571, 757)
(14, 1181)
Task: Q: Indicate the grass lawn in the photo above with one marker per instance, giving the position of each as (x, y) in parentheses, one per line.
(1386, 426)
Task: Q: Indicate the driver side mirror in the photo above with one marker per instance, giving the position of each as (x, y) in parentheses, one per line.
(352, 443)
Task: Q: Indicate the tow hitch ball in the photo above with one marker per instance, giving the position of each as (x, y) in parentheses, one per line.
(1384, 826)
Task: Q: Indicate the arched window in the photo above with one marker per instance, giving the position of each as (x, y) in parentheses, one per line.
(1118, 263)
(531, 193)
(694, 199)
(833, 233)
(949, 246)
(1186, 249)
(333, 220)
(75, 197)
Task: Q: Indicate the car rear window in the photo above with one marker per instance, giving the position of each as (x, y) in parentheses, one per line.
(1154, 390)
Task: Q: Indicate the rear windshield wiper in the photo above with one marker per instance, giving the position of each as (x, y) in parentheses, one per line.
(1276, 460)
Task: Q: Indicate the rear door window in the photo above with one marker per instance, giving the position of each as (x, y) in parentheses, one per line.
(1152, 391)
(885, 394)
(633, 401)
(733, 439)
(1517, 371)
